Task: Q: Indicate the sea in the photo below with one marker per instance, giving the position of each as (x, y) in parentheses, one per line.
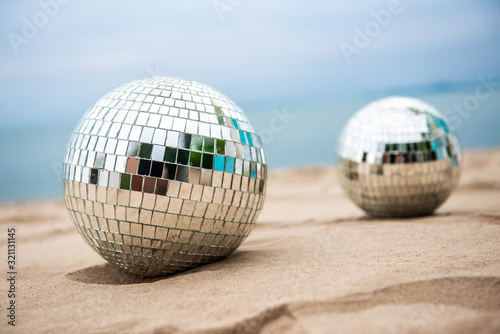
(296, 132)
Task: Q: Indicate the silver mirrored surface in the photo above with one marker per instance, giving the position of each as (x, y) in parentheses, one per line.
(397, 157)
(164, 174)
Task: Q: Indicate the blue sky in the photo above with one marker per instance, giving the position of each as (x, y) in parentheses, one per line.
(261, 50)
(280, 55)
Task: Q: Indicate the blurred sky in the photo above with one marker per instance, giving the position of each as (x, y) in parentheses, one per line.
(265, 55)
(261, 50)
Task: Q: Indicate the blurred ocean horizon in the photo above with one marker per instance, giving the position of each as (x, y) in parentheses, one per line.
(306, 135)
(299, 69)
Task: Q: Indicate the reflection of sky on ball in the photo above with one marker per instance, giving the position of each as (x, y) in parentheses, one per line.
(162, 174)
(398, 157)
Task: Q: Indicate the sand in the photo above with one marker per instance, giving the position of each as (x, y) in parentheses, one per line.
(313, 264)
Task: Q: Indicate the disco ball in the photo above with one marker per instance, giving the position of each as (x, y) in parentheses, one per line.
(397, 157)
(164, 174)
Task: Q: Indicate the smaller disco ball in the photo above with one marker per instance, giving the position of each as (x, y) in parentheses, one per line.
(397, 157)
(164, 174)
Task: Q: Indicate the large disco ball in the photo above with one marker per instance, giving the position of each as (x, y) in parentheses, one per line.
(164, 174)
(397, 157)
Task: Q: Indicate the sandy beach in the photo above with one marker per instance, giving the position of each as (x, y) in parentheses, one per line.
(313, 264)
